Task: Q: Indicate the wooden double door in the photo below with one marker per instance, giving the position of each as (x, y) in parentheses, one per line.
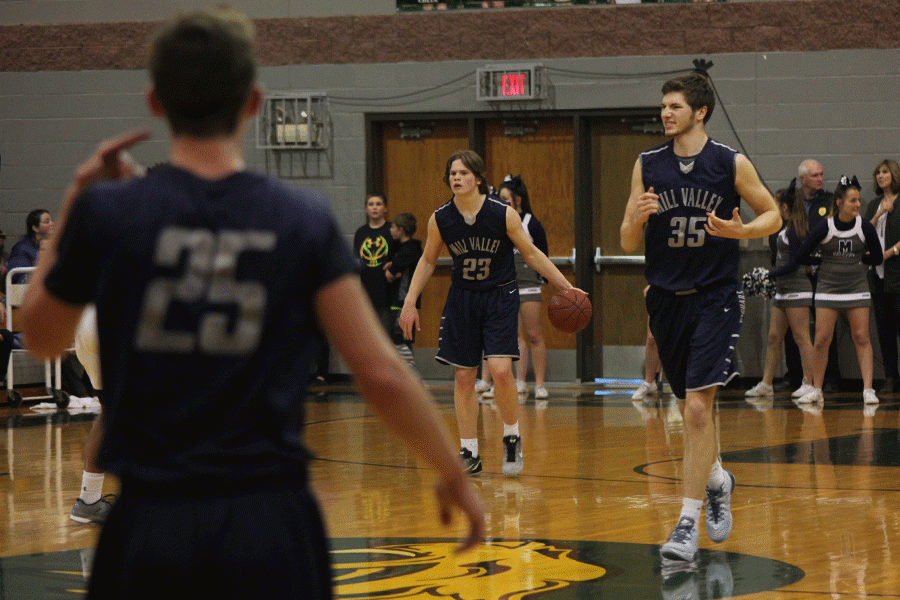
(577, 170)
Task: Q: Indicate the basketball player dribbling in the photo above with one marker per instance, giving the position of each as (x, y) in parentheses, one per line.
(481, 312)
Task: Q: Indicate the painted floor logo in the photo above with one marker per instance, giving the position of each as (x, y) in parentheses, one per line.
(511, 570)
(393, 568)
(427, 569)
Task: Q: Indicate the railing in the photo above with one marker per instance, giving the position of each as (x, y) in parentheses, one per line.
(428, 5)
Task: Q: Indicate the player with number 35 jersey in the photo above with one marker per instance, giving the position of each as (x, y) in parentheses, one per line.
(688, 189)
(684, 206)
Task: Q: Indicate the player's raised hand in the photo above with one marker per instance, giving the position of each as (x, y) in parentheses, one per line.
(647, 204)
(110, 160)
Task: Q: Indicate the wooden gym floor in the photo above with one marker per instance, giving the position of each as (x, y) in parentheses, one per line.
(816, 507)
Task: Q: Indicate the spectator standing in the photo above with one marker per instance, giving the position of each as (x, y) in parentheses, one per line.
(818, 202)
(399, 274)
(374, 247)
(842, 246)
(884, 279)
(793, 296)
(514, 192)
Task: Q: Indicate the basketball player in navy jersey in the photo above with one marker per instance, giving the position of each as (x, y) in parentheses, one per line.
(684, 206)
(481, 313)
(210, 283)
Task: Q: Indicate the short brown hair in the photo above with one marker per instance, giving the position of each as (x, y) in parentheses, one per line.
(473, 162)
(203, 66)
(697, 90)
(406, 222)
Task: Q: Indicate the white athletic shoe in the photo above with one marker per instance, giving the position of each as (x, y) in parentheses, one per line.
(802, 390)
(812, 396)
(869, 396)
(521, 387)
(644, 390)
(481, 386)
(540, 393)
(718, 510)
(760, 389)
(488, 393)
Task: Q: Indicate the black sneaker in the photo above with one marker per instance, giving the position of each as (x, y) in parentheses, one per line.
(471, 464)
(512, 455)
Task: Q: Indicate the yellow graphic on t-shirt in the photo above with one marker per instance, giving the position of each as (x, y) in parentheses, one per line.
(373, 251)
(508, 570)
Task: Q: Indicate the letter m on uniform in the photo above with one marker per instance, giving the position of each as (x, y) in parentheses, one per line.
(845, 247)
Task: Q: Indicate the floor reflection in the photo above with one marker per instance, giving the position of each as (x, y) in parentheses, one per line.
(815, 503)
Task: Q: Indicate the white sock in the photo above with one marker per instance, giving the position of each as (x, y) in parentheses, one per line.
(91, 487)
(470, 445)
(511, 429)
(691, 508)
(716, 477)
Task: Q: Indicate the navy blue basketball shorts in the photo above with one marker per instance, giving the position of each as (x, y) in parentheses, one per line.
(477, 322)
(261, 543)
(697, 334)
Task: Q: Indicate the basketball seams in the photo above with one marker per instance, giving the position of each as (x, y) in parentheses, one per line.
(570, 311)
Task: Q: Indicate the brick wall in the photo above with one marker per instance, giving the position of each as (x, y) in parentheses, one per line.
(590, 31)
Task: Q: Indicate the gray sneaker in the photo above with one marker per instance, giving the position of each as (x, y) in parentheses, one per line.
(512, 455)
(92, 513)
(682, 544)
(718, 510)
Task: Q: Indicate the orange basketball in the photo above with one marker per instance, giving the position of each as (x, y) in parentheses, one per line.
(570, 310)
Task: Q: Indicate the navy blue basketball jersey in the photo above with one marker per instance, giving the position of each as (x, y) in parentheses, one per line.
(680, 255)
(482, 251)
(204, 294)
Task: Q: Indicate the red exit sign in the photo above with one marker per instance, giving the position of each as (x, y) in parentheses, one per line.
(510, 82)
(515, 84)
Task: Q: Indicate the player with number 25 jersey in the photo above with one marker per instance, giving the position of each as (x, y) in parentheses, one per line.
(206, 305)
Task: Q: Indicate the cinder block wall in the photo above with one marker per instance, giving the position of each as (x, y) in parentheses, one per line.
(798, 79)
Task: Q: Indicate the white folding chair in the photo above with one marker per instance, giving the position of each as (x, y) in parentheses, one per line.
(14, 294)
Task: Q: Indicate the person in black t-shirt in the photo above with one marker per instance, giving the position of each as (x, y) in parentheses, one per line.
(399, 274)
(374, 246)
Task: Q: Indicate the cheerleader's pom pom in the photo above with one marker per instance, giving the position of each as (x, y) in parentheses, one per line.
(758, 283)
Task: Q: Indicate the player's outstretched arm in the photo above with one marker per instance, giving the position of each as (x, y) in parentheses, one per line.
(641, 204)
(754, 193)
(395, 392)
(409, 314)
(534, 258)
